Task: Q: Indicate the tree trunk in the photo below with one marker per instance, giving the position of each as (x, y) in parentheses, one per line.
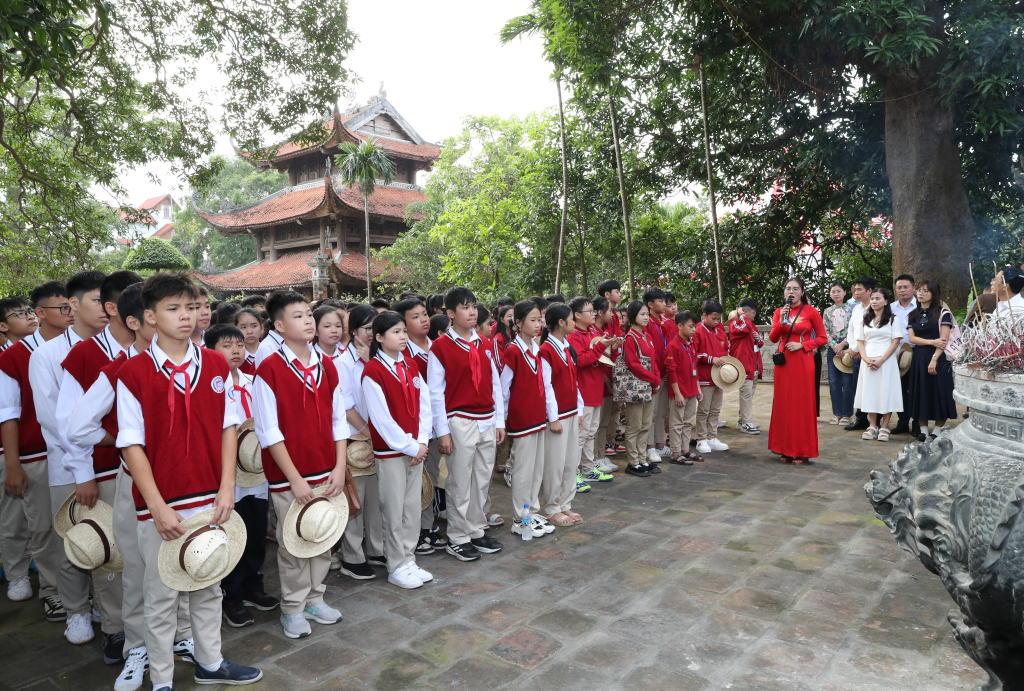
(933, 230)
(711, 184)
(565, 190)
(622, 196)
(583, 261)
(369, 276)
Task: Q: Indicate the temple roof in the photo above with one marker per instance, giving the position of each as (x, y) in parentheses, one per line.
(291, 270)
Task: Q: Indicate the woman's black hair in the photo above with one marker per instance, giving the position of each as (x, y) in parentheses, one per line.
(600, 304)
(384, 322)
(360, 316)
(803, 287)
(834, 284)
(321, 312)
(245, 310)
(557, 311)
(435, 304)
(522, 310)
(439, 323)
(869, 313)
(499, 318)
(633, 309)
(482, 309)
(934, 308)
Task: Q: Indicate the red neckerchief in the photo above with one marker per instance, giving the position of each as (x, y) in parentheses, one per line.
(244, 393)
(403, 376)
(310, 374)
(183, 370)
(474, 360)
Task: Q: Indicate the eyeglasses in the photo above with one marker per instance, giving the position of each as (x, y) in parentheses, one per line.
(20, 314)
(64, 309)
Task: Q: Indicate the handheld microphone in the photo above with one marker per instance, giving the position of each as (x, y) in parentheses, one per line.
(789, 301)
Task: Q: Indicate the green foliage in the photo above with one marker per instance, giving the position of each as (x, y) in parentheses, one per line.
(154, 254)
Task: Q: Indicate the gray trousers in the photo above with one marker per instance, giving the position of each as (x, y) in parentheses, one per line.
(401, 487)
(680, 424)
(26, 530)
(433, 466)
(302, 580)
(528, 453)
(469, 475)
(590, 448)
(369, 522)
(656, 433)
(558, 486)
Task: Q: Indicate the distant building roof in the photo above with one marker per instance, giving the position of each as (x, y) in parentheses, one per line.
(291, 270)
(154, 202)
(166, 232)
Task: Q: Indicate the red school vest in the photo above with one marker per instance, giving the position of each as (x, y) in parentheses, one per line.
(563, 379)
(14, 363)
(419, 360)
(109, 421)
(403, 402)
(462, 397)
(84, 362)
(185, 479)
(526, 413)
(308, 438)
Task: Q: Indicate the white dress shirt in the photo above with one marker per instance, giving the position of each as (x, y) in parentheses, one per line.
(264, 402)
(506, 371)
(550, 404)
(10, 389)
(268, 346)
(260, 491)
(437, 383)
(394, 436)
(350, 374)
(77, 459)
(856, 331)
(45, 375)
(902, 313)
(1014, 306)
(338, 350)
(131, 426)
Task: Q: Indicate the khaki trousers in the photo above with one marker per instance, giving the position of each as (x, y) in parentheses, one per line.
(609, 420)
(26, 530)
(588, 441)
(708, 412)
(126, 535)
(161, 613)
(368, 524)
(503, 453)
(433, 466)
(656, 433)
(680, 425)
(73, 582)
(302, 580)
(638, 422)
(469, 475)
(401, 486)
(558, 486)
(747, 402)
(529, 452)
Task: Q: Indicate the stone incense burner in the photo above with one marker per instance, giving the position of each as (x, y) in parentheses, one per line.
(955, 502)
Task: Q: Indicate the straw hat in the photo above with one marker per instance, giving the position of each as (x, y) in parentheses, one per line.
(88, 535)
(604, 359)
(311, 529)
(427, 492)
(729, 375)
(905, 355)
(360, 456)
(204, 555)
(844, 361)
(442, 472)
(249, 465)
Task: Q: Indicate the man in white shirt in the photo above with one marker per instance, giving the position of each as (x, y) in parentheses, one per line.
(861, 289)
(1009, 282)
(901, 307)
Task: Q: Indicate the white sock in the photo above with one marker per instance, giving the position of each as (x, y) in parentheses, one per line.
(162, 687)
(931, 427)
(211, 668)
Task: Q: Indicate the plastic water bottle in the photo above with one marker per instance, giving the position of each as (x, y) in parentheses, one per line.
(527, 528)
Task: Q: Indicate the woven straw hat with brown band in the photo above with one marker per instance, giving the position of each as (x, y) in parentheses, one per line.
(204, 555)
(312, 528)
(426, 492)
(844, 361)
(730, 375)
(88, 535)
(249, 463)
(905, 355)
(604, 359)
(359, 456)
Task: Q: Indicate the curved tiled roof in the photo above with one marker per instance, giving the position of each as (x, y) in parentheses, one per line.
(423, 152)
(389, 202)
(354, 264)
(287, 205)
(289, 271)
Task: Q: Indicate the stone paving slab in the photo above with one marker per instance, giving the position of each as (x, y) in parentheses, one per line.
(741, 574)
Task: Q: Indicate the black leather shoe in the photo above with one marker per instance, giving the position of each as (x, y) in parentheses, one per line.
(636, 471)
(651, 468)
(236, 615)
(900, 429)
(858, 424)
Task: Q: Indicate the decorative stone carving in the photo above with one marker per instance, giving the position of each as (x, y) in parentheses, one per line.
(955, 503)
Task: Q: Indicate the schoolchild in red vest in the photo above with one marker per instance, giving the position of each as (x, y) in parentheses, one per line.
(711, 343)
(469, 421)
(522, 387)
(203, 317)
(249, 323)
(330, 327)
(744, 343)
(563, 405)
(592, 378)
(639, 354)
(398, 405)
(176, 433)
(681, 368)
(607, 322)
(485, 329)
(660, 331)
(300, 421)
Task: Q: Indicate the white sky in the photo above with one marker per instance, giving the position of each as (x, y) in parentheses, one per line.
(439, 61)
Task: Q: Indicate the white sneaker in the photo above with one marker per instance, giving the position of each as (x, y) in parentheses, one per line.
(295, 625)
(322, 613)
(19, 590)
(79, 629)
(664, 451)
(703, 446)
(717, 445)
(335, 563)
(135, 668)
(404, 578)
(536, 530)
(185, 649)
(747, 428)
(421, 574)
(722, 423)
(542, 523)
(508, 476)
(653, 456)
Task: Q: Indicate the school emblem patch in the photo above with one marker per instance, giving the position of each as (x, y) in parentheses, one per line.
(416, 382)
(218, 384)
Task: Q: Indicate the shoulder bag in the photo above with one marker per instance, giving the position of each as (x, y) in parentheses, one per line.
(626, 386)
(955, 343)
(779, 358)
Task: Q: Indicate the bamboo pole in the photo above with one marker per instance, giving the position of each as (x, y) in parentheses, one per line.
(622, 196)
(711, 180)
(565, 190)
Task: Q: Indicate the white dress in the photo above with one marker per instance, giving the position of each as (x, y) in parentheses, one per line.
(879, 391)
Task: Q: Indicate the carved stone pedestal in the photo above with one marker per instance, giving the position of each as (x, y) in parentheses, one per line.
(955, 503)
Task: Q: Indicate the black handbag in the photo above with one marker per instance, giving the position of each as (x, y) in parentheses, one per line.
(779, 358)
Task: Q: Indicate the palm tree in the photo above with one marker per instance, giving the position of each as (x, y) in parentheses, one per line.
(363, 167)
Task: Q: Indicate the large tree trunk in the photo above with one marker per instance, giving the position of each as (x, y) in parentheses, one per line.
(565, 190)
(369, 276)
(933, 230)
(622, 196)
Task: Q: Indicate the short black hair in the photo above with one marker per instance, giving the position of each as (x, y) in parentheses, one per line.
(866, 282)
(12, 304)
(608, 286)
(406, 304)
(686, 316)
(129, 303)
(749, 302)
(382, 323)
(555, 297)
(245, 310)
(669, 298)
(600, 304)
(633, 309)
(712, 306)
(380, 304)
(505, 300)
(203, 292)
(439, 323)
(114, 284)
(652, 294)
(277, 302)
(1013, 277)
(482, 309)
(904, 277)
(219, 332)
(83, 282)
(253, 300)
(578, 303)
(541, 302)
(225, 312)
(161, 286)
(458, 295)
(51, 289)
(435, 302)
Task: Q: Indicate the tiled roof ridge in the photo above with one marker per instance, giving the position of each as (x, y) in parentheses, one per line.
(281, 192)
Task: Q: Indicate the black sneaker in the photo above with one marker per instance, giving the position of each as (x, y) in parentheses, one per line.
(261, 601)
(437, 540)
(637, 471)
(113, 648)
(486, 544)
(423, 546)
(858, 423)
(360, 572)
(236, 615)
(379, 561)
(651, 468)
(53, 609)
(463, 552)
(900, 429)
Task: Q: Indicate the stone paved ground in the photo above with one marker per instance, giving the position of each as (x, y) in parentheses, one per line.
(743, 574)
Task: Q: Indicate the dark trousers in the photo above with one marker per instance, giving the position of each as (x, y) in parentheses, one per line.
(856, 378)
(246, 578)
(817, 382)
(903, 418)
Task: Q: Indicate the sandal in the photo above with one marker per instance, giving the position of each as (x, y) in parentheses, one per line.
(685, 458)
(560, 519)
(494, 520)
(843, 421)
(801, 460)
(870, 433)
(834, 420)
(574, 516)
(883, 434)
(785, 459)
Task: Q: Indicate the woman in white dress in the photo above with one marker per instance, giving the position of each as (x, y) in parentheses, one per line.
(878, 385)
